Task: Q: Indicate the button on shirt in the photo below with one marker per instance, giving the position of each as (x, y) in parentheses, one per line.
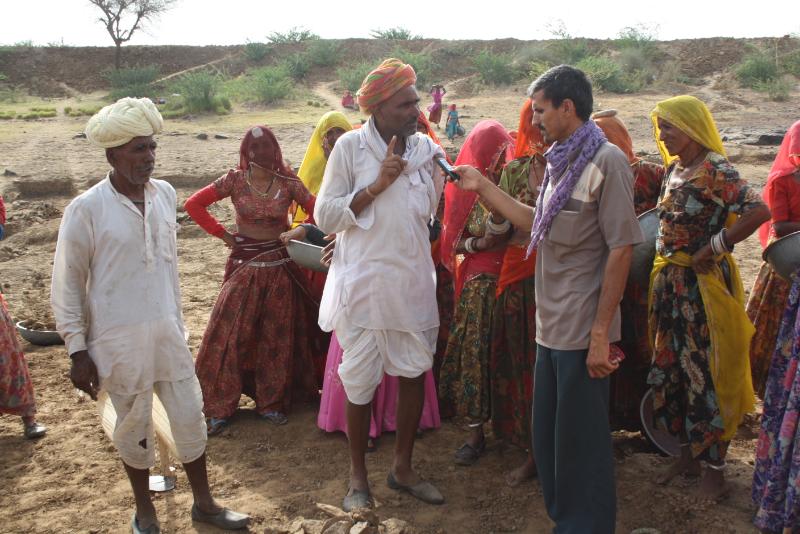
(382, 275)
(115, 289)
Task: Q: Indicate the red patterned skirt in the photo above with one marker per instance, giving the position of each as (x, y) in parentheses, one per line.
(16, 388)
(262, 338)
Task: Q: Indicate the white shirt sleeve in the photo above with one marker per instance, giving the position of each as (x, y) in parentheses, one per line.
(332, 209)
(74, 251)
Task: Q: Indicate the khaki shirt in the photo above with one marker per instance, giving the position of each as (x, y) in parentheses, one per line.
(571, 259)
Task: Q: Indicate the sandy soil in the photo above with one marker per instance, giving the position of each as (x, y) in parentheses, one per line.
(72, 480)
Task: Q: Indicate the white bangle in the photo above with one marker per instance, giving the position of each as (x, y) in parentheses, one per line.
(495, 228)
(469, 245)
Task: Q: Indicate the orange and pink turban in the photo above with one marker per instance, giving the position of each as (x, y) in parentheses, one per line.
(384, 81)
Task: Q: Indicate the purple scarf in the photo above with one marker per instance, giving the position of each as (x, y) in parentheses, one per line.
(587, 139)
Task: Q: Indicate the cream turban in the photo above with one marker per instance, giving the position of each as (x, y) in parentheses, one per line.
(118, 123)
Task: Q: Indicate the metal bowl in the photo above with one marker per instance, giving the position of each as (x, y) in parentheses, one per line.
(306, 255)
(666, 442)
(784, 255)
(39, 337)
(645, 252)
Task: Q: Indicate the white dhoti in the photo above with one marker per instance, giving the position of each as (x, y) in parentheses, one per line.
(133, 433)
(368, 354)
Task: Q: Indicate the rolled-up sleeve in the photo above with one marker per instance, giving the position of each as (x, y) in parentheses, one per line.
(74, 251)
(332, 211)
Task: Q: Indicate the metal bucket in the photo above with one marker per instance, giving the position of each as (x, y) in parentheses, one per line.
(306, 255)
(784, 255)
(645, 252)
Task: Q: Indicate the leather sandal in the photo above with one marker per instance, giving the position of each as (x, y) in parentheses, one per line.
(422, 490)
(216, 425)
(136, 529)
(468, 455)
(35, 430)
(224, 519)
(276, 418)
(356, 499)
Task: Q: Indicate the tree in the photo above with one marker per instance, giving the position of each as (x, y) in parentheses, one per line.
(137, 11)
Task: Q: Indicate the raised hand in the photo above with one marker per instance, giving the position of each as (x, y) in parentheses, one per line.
(392, 167)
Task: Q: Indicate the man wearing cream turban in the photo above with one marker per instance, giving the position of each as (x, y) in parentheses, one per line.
(116, 299)
(378, 193)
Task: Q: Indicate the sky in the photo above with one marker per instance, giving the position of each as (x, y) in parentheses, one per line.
(222, 22)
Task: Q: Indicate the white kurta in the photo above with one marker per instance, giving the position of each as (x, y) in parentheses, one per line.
(115, 289)
(382, 275)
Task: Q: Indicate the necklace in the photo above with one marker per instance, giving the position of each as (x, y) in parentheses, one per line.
(253, 188)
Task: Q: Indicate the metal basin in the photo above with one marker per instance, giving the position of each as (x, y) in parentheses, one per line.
(306, 255)
(645, 252)
(39, 337)
(666, 442)
(784, 255)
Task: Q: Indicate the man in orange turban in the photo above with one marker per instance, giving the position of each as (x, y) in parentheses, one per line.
(379, 191)
(384, 81)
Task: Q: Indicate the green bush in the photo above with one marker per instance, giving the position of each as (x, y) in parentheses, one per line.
(296, 65)
(424, 65)
(566, 49)
(537, 68)
(606, 74)
(790, 63)
(496, 69)
(637, 37)
(43, 109)
(394, 34)
(324, 53)
(135, 82)
(294, 35)
(756, 68)
(256, 51)
(351, 77)
(6, 115)
(198, 91)
(777, 89)
(69, 111)
(270, 84)
(11, 95)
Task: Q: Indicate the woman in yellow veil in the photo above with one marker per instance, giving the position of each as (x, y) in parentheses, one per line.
(330, 126)
(699, 331)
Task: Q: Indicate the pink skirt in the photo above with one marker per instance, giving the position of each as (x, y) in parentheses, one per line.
(332, 409)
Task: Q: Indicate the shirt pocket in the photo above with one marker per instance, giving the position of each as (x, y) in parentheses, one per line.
(167, 239)
(564, 230)
(419, 200)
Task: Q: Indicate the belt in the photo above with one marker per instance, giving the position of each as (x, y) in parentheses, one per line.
(263, 263)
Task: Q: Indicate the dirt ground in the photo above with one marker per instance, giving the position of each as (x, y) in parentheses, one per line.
(72, 481)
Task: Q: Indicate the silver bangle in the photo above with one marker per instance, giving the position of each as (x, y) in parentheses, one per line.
(720, 467)
(495, 228)
(469, 245)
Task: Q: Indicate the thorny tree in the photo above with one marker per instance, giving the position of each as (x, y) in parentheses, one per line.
(118, 13)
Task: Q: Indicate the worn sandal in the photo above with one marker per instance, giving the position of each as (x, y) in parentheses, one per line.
(216, 425)
(356, 499)
(468, 455)
(136, 529)
(422, 490)
(35, 430)
(276, 418)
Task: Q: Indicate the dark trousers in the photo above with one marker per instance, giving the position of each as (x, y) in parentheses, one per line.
(572, 443)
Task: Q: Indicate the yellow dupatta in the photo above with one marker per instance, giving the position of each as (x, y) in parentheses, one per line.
(313, 166)
(693, 118)
(730, 330)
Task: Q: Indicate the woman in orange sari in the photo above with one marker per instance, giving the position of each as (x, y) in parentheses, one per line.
(514, 327)
(629, 382)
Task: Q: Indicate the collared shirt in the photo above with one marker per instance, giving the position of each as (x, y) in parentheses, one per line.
(115, 289)
(382, 275)
(571, 259)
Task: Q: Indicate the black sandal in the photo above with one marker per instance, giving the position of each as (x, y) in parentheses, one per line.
(468, 455)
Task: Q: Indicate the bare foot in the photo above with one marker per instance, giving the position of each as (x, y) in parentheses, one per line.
(682, 466)
(522, 473)
(712, 486)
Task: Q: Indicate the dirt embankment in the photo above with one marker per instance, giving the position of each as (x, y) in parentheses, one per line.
(44, 71)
